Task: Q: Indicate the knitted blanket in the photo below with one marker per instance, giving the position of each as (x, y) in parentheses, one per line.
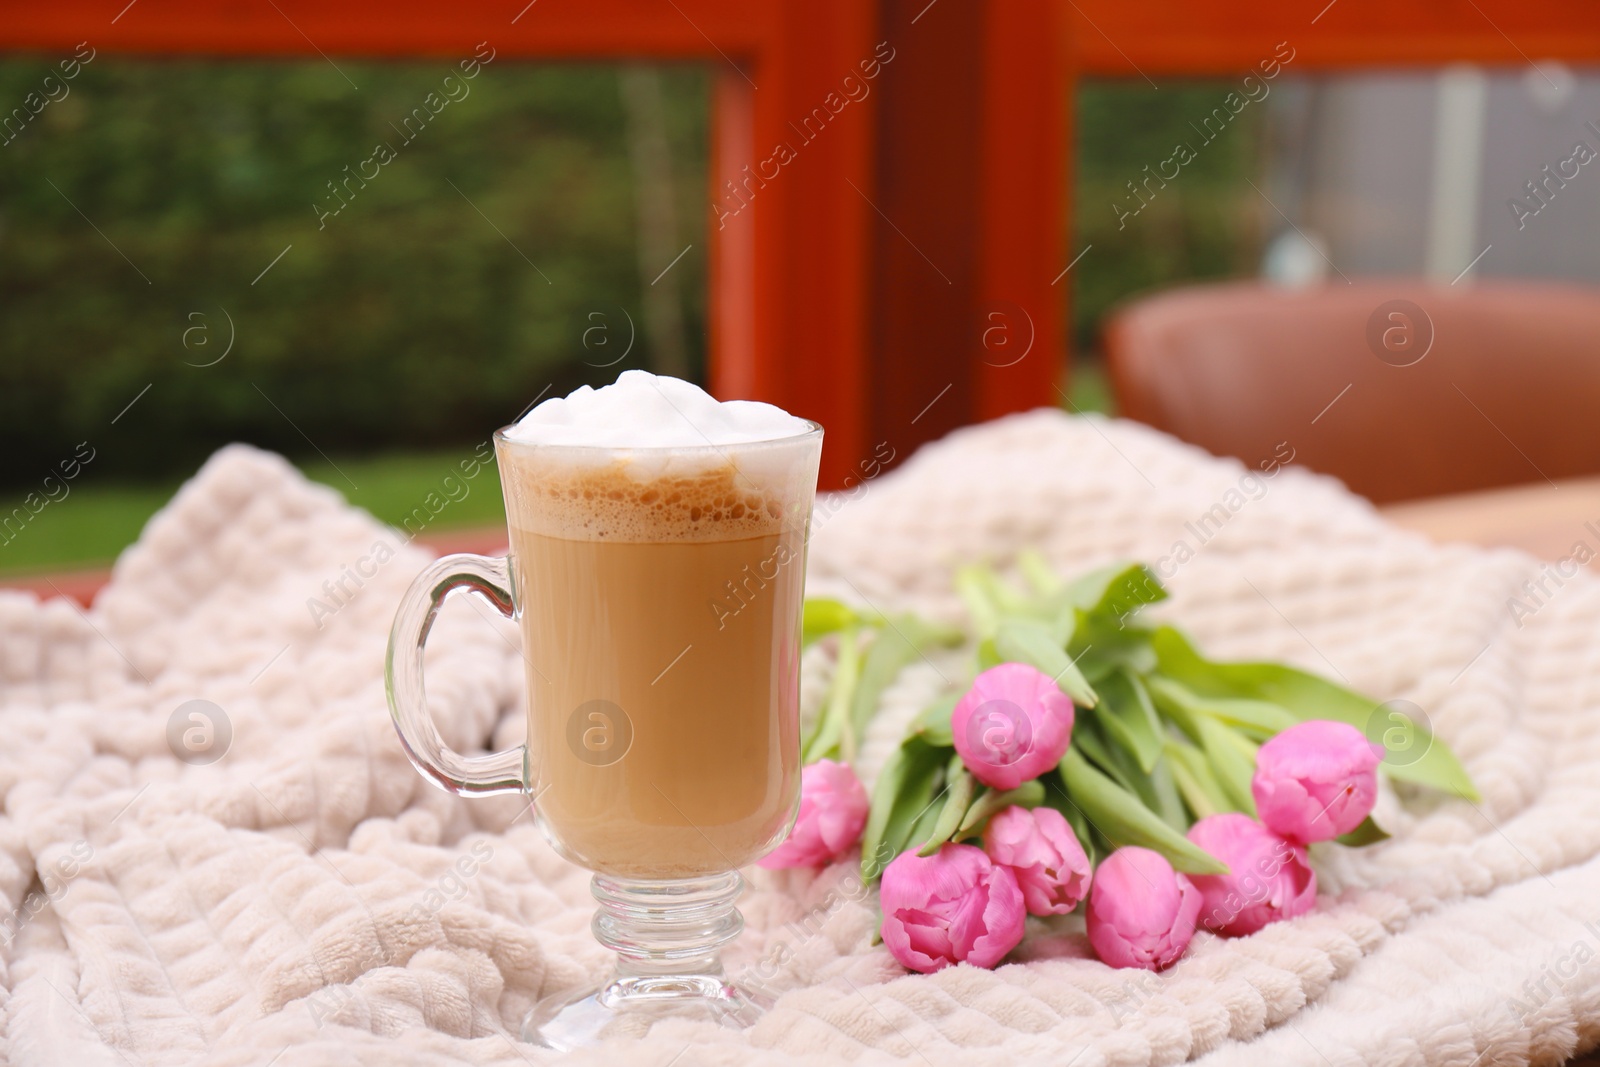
(307, 898)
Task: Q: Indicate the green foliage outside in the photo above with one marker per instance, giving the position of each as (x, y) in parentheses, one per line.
(389, 335)
(1204, 224)
(406, 321)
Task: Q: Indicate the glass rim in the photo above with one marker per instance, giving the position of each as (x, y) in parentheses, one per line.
(813, 431)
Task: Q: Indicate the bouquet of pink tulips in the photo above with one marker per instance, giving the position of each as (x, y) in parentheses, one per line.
(1092, 761)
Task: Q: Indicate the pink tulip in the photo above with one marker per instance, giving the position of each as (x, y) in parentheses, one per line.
(833, 810)
(1269, 877)
(1044, 854)
(951, 907)
(1316, 781)
(1013, 725)
(1141, 912)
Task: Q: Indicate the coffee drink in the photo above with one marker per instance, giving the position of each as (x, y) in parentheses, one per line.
(659, 587)
(657, 569)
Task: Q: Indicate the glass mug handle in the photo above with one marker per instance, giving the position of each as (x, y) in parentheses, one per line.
(467, 776)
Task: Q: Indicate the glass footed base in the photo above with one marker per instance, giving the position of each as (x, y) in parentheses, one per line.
(629, 1007)
(668, 936)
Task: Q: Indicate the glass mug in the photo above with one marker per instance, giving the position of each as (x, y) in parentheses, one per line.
(659, 593)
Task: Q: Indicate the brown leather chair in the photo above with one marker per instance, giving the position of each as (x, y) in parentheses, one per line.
(1399, 387)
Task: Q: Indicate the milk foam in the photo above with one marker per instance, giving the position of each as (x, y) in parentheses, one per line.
(644, 410)
(670, 464)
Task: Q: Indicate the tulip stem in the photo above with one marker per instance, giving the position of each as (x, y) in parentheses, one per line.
(1123, 818)
(990, 802)
(1038, 572)
(1199, 787)
(834, 733)
(976, 595)
(958, 796)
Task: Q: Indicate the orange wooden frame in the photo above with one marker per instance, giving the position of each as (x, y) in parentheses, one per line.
(1174, 38)
(822, 297)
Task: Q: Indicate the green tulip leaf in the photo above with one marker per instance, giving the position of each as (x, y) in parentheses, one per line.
(922, 827)
(1030, 641)
(1128, 714)
(1089, 739)
(822, 616)
(1064, 628)
(1038, 573)
(1259, 718)
(991, 802)
(1100, 648)
(1308, 697)
(906, 788)
(1095, 846)
(988, 598)
(1124, 820)
(1368, 833)
(832, 730)
(1196, 783)
(1169, 802)
(933, 725)
(958, 791)
(1115, 592)
(1233, 758)
(902, 641)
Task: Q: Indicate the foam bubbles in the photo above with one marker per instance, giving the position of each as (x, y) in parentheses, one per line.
(643, 410)
(657, 459)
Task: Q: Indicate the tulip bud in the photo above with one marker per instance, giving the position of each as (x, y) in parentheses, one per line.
(833, 811)
(1141, 912)
(1042, 851)
(951, 907)
(1269, 878)
(1013, 725)
(1316, 781)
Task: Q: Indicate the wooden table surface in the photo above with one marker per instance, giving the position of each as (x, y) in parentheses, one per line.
(1547, 519)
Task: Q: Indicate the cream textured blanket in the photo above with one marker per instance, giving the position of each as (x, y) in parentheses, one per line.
(308, 899)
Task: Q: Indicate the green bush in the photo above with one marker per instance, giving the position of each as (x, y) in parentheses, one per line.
(407, 321)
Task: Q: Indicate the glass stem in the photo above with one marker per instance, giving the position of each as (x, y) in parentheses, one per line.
(668, 935)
